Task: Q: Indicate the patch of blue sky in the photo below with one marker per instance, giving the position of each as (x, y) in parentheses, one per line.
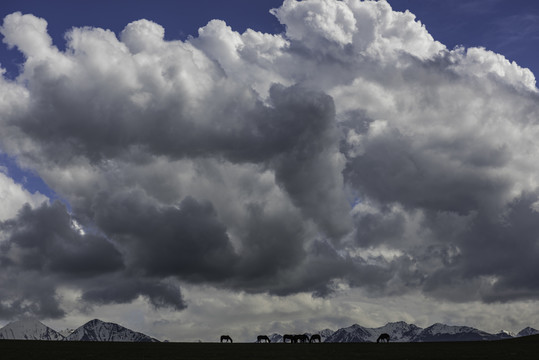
(28, 179)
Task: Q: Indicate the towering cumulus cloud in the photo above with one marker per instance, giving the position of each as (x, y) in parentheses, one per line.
(352, 150)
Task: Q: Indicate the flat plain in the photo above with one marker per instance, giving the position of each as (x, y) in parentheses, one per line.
(521, 348)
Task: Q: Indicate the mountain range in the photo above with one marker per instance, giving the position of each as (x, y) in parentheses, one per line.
(94, 330)
(29, 329)
(97, 330)
(403, 332)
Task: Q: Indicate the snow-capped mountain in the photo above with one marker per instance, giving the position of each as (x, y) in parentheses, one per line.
(29, 329)
(528, 331)
(354, 333)
(398, 332)
(97, 330)
(503, 334)
(324, 334)
(66, 332)
(442, 332)
(403, 332)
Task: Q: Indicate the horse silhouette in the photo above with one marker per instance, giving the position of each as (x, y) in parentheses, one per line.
(383, 337)
(315, 337)
(226, 338)
(301, 338)
(263, 338)
(288, 337)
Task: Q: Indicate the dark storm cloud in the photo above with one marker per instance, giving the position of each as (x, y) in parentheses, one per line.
(187, 241)
(384, 227)
(273, 243)
(22, 295)
(43, 243)
(505, 250)
(394, 169)
(121, 291)
(45, 240)
(309, 172)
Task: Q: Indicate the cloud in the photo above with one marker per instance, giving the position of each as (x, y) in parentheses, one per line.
(318, 21)
(42, 244)
(27, 33)
(13, 196)
(161, 294)
(186, 241)
(353, 150)
(45, 243)
(44, 239)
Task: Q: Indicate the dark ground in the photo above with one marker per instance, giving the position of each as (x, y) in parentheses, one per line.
(522, 348)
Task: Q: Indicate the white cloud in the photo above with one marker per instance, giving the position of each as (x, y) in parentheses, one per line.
(143, 35)
(356, 28)
(13, 196)
(318, 20)
(28, 33)
(479, 62)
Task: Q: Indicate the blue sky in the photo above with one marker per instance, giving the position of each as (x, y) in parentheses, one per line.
(510, 28)
(338, 163)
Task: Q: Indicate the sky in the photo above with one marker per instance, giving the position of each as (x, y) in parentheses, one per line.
(193, 169)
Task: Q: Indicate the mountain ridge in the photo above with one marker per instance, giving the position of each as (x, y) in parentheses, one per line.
(29, 329)
(98, 330)
(403, 332)
(400, 331)
(93, 330)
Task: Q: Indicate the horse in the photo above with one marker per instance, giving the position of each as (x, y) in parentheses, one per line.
(301, 338)
(226, 338)
(383, 337)
(263, 338)
(288, 337)
(315, 337)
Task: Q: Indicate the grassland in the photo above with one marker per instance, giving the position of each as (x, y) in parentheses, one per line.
(523, 348)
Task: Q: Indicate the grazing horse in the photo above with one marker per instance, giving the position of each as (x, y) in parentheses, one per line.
(263, 338)
(302, 338)
(226, 338)
(315, 337)
(383, 337)
(288, 337)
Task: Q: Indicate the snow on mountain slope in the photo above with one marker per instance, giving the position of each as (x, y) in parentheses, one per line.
(504, 334)
(66, 332)
(97, 330)
(442, 332)
(29, 329)
(354, 333)
(324, 334)
(403, 332)
(398, 331)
